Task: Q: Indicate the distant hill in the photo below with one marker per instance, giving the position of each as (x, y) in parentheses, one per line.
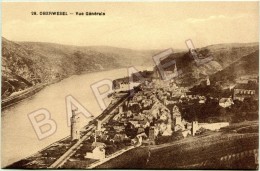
(27, 63)
(124, 57)
(245, 66)
(224, 56)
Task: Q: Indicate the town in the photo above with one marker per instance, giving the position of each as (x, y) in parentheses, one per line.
(155, 112)
(159, 112)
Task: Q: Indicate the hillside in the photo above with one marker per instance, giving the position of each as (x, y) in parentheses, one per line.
(245, 66)
(25, 64)
(224, 56)
(124, 57)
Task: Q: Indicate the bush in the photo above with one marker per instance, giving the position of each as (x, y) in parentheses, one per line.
(166, 139)
(110, 149)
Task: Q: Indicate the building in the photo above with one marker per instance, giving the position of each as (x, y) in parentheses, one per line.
(185, 133)
(99, 125)
(178, 127)
(177, 120)
(225, 102)
(151, 134)
(165, 129)
(242, 91)
(164, 117)
(98, 152)
(75, 126)
(176, 116)
(194, 128)
(120, 137)
(156, 75)
(202, 99)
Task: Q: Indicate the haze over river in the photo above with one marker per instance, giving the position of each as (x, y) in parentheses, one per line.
(19, 139)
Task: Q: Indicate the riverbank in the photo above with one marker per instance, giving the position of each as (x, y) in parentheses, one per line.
(19, 96)
(29, 92)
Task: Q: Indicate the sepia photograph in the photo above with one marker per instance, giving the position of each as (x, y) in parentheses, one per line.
(130, 85)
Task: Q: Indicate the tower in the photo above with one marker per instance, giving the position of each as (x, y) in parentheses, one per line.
(176, 115)
(175, 111)
(75, 126)
(178, 120)
(195, 127)
(99, 125)
(120, 109)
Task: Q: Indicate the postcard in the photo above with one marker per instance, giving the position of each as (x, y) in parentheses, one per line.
(130, 85)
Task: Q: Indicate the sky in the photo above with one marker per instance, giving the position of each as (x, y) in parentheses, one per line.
(135, 25)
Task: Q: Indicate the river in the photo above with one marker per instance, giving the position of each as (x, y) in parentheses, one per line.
(19, 139)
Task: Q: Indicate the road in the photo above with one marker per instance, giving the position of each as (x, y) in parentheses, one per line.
(59, 162)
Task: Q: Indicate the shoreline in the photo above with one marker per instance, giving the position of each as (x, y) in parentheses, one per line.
(31, 91)
(13, 100)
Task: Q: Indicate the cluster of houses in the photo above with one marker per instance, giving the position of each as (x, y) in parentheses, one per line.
(240, 92)
(145, 116)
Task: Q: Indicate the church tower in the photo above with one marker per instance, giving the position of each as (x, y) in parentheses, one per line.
(75, 126)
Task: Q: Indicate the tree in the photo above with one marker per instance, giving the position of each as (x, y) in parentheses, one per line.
(135, 108)
(130, 130)
(222, 112)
